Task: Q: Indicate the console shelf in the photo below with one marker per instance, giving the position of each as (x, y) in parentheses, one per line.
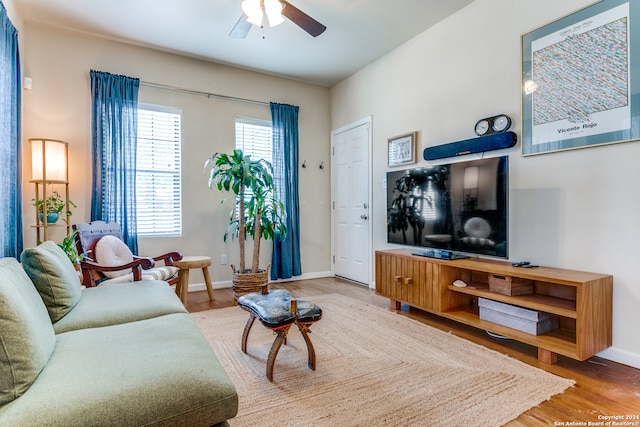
(554, 305)
(582, 301)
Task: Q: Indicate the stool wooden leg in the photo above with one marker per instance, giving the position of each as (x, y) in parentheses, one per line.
(178, 287)
(247, 328)
(281, 336)
(183, 276)
(207, 281)
(304, 330)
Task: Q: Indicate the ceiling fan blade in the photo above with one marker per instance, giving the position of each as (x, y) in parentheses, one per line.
(241, 29)
(302, 20)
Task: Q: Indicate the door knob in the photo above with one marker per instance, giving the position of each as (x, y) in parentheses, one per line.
(364, 216)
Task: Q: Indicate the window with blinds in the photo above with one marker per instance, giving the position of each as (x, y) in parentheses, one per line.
(253, 137)
(158, 185)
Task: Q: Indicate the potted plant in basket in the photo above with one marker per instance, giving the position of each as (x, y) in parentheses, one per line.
(53, 205)
(255, 212)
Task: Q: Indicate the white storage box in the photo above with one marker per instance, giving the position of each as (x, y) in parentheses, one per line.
(525, 320)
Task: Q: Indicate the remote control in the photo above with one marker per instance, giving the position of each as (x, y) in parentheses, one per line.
(520, 264)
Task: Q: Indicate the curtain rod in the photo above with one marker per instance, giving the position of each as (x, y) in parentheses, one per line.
(200, 93)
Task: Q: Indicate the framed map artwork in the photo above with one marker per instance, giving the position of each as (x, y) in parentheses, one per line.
(577, 86)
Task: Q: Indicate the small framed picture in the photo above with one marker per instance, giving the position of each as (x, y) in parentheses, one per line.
(402, 149)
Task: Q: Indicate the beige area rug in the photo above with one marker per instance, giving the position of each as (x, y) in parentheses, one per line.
(374, 368)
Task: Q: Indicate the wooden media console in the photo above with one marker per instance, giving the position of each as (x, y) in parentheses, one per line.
(581, 301)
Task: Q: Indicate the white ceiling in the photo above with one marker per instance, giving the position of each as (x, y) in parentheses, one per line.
(358, 31)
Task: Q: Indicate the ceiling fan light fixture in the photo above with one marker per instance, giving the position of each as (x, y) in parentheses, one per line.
(253, 10)
(273, 10)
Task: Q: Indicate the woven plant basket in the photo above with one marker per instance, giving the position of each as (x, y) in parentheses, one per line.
(246, 283)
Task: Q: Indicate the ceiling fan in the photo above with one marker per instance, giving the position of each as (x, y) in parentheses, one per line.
(253, 12)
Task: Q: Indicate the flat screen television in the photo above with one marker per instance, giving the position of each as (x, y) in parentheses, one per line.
(453, 210)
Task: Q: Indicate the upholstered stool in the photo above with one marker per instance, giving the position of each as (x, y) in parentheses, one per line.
(278, 310)
(186, 263)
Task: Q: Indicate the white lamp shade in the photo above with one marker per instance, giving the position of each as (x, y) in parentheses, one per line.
(273, 9)
(48, 160)
(253, 10)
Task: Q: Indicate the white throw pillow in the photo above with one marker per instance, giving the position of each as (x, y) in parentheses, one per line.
(111, 251)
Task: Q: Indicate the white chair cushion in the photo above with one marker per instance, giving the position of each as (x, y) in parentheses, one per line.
(111, 251)
(156, 273)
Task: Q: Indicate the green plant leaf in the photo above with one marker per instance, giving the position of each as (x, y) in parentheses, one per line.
(252, 183)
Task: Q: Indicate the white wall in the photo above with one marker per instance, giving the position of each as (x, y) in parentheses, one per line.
(13, 14)
(59, 107)
(575, 209)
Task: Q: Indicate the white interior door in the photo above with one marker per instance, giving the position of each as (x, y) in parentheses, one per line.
(351, 229)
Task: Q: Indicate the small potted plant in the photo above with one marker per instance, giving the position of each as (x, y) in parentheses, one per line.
(255, 212)
(68, 245)
(53, 205)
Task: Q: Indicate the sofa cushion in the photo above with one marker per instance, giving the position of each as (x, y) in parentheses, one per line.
(155, 372)
(120, 303)
(26, 335)
(111, 251)
(54, 276)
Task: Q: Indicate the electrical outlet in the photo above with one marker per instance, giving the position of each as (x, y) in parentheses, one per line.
(223, 259)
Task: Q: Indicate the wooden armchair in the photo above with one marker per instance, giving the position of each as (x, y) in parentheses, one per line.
(106, 258)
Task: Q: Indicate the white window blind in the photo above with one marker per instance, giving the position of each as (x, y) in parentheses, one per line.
(253, 137)
(158, 185)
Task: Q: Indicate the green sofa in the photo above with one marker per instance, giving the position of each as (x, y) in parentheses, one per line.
(118, 355)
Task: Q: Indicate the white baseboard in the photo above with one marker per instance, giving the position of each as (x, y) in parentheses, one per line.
(307, 276)
(194, 287)
(621, 356)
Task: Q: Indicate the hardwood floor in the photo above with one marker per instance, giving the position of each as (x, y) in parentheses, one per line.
(603, 388)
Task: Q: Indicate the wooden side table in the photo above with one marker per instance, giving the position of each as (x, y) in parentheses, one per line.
(187, 263)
